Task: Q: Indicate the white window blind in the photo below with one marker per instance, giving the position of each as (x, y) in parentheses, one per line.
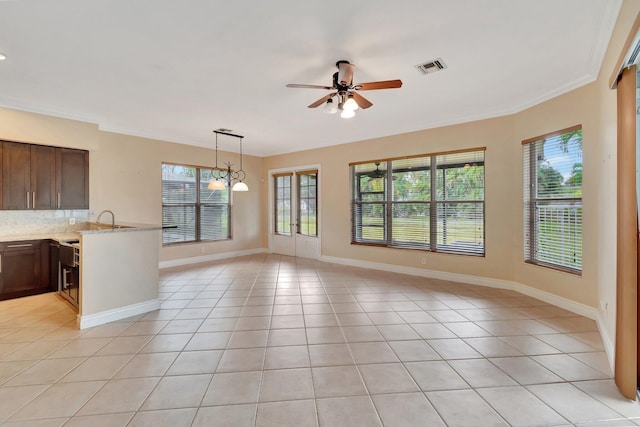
(192, 212)
(552, 166)
(214, 209)
(430, 202)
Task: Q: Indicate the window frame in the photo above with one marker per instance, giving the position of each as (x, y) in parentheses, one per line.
(432, 204)
(276, 205)
(198, 206)
(531, 201)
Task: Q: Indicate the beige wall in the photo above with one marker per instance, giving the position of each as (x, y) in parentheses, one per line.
(118, 269)
(125, 175)
(493, 134)
(606, 157)
(576, 107)
(593, 106)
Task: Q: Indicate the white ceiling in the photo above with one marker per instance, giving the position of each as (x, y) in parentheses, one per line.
(176, 70)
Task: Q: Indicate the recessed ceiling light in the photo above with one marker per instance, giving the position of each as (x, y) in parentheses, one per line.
(2, 56)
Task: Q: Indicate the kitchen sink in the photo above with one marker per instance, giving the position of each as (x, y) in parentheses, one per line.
(93, 226)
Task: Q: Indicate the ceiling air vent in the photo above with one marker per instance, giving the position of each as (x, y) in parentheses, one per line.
(432, 66)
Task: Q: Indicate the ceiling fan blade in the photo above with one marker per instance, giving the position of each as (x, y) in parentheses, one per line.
(386, 84)
(345, 73)
(362, 102)
(294, 85)
(321, 101)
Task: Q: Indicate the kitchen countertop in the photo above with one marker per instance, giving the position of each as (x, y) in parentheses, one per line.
(118, 228)
(59, 237)
(76, 234)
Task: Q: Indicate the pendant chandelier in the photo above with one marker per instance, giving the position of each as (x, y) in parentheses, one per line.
(221, 178)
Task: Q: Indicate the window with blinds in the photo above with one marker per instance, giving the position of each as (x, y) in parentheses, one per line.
(430, 202)
(191, 212)
(552, 166)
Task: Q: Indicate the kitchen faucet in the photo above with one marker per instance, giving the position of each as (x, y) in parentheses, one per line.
(113, 218)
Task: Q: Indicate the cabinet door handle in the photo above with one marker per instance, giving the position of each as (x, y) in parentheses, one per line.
(66, 281)
(27, 200)
(58, 200)
(33, 197)
(22, 245)
(0, 263)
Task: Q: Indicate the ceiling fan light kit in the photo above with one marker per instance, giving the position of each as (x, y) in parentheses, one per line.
(348, 98)
(330, 107)
(347, 114)
(350, 103)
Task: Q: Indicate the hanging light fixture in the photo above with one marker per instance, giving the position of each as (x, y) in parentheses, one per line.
(222, 178)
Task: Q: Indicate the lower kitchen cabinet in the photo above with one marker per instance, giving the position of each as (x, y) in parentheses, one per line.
(24, 268)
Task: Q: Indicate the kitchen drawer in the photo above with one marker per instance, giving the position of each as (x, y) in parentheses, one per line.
(22, 269)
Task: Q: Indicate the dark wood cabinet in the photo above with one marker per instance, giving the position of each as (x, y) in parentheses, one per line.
(16, 176)
(23, 269)
(45, 267)
(72, 178)
(43, 174)
(54, 265)
(42, 177)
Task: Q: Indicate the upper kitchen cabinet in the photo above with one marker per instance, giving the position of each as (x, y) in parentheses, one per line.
(28, 176)
(43, 172)
(72, 178)
(16, 176)
(42, 177)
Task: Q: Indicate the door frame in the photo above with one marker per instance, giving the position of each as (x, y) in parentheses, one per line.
(270, 207)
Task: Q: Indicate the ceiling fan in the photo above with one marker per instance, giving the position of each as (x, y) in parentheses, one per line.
(376, 173)
(346, 93)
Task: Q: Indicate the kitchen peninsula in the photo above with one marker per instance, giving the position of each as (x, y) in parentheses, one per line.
(116, 267)
(118, 272)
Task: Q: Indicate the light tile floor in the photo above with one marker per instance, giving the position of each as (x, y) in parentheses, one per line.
(267, 340)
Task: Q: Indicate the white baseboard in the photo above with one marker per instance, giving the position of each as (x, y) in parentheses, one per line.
(558, 301)
(567, 304)
(120, 313)
(422, 272)
(606, 341)
(212, 257)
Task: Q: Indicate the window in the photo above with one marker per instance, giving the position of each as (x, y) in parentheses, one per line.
(282, 216)
(190, 211)
(429, 202)
(307, 202)
(552, 166)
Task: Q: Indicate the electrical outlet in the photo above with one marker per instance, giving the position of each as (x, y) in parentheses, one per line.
(423, 261)
(72, 221)
(604, 305)
(202, 249)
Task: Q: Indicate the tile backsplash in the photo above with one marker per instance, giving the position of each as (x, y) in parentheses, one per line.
(41, 222)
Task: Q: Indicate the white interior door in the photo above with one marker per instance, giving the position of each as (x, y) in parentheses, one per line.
(294, 212)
